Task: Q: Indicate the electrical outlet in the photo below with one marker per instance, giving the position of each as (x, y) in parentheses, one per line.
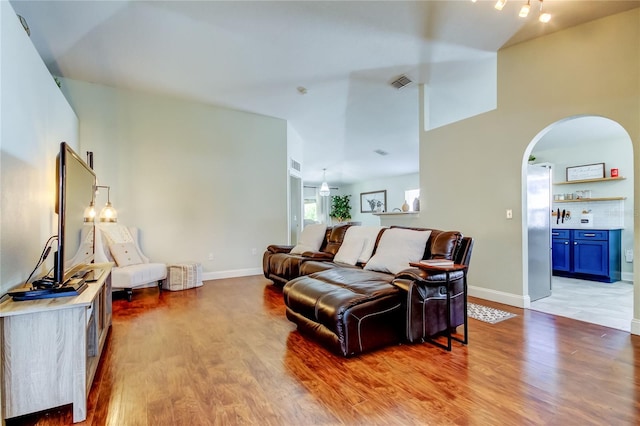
(210, 256)
(509, 214)
(628, 255)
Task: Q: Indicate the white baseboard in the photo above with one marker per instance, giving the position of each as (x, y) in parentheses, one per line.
(627, 276)
(500, 297)
(635, 326)
(234, 273)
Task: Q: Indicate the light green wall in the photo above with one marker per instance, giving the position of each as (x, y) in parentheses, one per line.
(196, 179)
(35, 118)
(472, 171)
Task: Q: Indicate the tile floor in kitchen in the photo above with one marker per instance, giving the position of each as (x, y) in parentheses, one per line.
(605, 304)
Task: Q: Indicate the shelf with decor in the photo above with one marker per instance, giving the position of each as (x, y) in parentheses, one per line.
(586, 200)
(394, 213)
(605, 179)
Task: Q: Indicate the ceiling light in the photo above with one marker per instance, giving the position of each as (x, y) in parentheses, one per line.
(544, 16)
(500, 4)
(324, 188)
(524, 11)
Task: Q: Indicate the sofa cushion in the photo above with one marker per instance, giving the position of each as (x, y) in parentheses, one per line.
(310, 239)
(144, 274)
(350, 250)
(444, 244)
(398, 247)
(358, 237)
(335, 239)
(125, 254)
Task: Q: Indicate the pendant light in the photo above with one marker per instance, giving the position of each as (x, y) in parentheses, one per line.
(108, 213)
(324, 188)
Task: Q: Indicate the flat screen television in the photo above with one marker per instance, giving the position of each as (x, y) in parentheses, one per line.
(75, 184)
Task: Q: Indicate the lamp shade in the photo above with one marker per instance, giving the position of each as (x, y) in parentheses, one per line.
(108, 214)
(324, 189)
(89, 214)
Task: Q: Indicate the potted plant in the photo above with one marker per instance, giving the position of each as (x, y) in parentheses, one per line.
(340, 207)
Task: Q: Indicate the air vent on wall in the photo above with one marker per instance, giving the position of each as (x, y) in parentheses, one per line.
(401, 82)
(295, 165)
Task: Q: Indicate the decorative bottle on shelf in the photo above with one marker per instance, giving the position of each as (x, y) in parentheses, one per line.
(416, 205)
(405, 206)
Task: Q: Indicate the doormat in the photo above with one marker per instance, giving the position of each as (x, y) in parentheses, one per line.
(487, 314)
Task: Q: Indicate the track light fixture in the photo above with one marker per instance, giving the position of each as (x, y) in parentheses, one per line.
(544, 17)
(524, 11)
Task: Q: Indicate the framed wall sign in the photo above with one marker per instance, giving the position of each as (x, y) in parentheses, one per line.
(373, 202)
(588, 171)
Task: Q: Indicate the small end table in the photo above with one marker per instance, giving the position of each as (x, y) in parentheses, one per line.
(448, 270)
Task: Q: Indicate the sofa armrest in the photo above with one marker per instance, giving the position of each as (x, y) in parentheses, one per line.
(276, 248)
(318, 255)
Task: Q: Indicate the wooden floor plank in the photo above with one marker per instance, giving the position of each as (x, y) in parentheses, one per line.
(225, 354)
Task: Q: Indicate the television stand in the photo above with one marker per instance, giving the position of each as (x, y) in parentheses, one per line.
(52, 347)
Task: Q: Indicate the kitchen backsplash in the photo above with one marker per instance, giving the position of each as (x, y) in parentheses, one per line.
(606, 214)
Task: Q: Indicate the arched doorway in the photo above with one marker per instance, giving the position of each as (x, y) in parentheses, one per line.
(576, 141)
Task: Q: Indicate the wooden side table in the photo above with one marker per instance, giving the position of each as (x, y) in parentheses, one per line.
(448, 270)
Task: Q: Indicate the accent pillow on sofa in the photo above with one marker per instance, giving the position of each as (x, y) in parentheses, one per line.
(360, 239)
(350, 250)
(398, 247)
(311, 238)
(125, 254)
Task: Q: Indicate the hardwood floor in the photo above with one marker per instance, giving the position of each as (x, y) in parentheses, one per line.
(224, 354)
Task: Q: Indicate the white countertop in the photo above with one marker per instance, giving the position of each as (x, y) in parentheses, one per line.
(585, 228)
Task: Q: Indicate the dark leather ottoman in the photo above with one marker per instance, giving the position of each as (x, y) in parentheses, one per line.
(349, 311)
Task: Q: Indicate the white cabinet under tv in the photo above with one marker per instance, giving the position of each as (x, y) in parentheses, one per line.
(51, 349)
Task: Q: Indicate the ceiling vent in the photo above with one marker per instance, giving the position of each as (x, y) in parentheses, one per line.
(381, 152)
(401, 82)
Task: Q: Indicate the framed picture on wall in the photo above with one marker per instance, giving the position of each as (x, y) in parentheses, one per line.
(373, 202)
(588, 171)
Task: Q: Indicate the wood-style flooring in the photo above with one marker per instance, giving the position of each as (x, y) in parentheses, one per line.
(224, 354)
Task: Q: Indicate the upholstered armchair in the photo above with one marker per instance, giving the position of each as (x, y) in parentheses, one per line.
(120, 245)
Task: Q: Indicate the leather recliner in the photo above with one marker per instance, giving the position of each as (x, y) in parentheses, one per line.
(280, 266)
(350, 310)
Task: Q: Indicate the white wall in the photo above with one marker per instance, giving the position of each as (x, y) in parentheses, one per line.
(472, 171)
(35, 118)
(614, 153)
(395, 187)
(196, 179)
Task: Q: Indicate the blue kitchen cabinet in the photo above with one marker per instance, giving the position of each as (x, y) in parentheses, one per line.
(590, 254)
(561, 250)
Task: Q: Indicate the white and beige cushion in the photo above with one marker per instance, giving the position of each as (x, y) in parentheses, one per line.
(310, 239)
(358, 244)
(125, 254)
(349, 250)
(398, 247)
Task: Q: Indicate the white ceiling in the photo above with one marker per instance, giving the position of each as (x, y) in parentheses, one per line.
(252, 55)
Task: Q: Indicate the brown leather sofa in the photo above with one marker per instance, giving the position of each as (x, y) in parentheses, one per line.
(350, 310)
(280, 266)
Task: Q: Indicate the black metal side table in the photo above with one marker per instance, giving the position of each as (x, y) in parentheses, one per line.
(448, 270)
